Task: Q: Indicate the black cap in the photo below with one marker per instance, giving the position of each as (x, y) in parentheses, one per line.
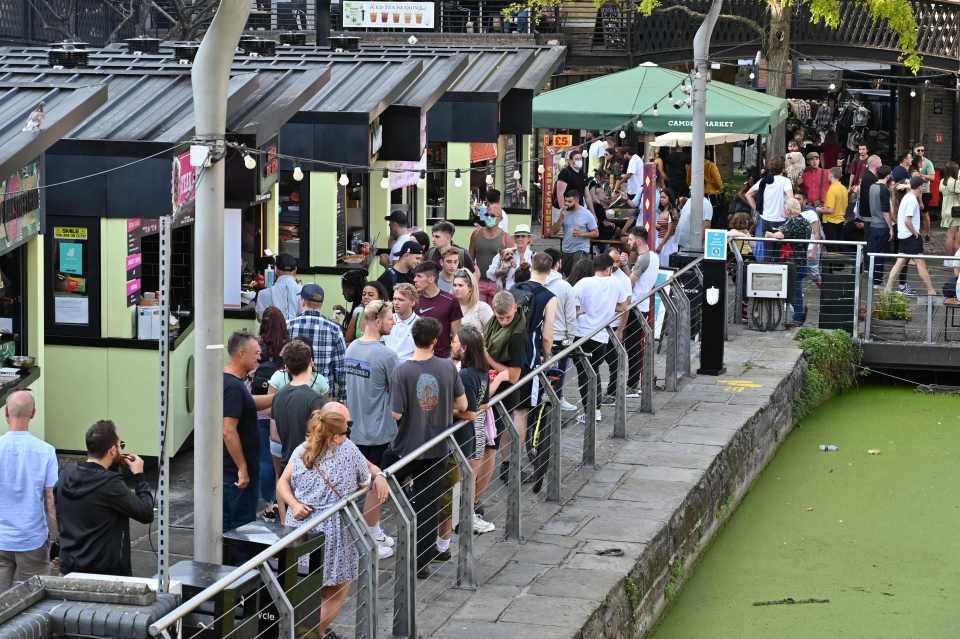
(916, 182)
(410, 246)
(399, 217)
(286, 262)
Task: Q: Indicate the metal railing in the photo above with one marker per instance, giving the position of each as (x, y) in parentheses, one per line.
(902, 308)
(824, 283)
(281, 605)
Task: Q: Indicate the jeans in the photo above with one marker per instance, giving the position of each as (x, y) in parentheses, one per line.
(23, 564)
(634, 342)
(878, 241)
(596, 352)
(562, 364)
(799, 311)
(268, 480)
(239, 504)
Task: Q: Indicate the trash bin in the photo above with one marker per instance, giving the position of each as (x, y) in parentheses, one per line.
(837, 293)
(299, 569)
(211, 620)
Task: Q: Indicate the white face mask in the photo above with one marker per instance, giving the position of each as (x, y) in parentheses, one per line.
(578, 164)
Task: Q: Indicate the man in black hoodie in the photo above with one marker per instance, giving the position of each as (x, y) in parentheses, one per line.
(94, 506)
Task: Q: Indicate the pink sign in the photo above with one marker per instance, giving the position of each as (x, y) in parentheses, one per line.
(133, 261)
(182, 189)
(133, 224)
(133, 286)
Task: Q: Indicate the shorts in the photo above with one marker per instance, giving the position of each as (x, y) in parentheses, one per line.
(276, 449)
(480, 436)
(374, 453)
(911, 246)
(450, 479)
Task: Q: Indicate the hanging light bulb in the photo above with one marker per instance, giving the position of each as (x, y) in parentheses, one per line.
(753, 76)
(488, 180)
(832, 87)
(249, 162)
(639, 125)
(517, 175)
(385, 180)
(457, 180)
(297, 174)
(913, 93)
(422, 180)
(539, 169)
(344, 179)
(623, 135)
(656, 110)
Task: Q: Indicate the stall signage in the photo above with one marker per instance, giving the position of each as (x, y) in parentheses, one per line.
(387, 15)
(137, 229)
(482, 152)
(70, 232)
(269, 166)
(562, 140)
(376, 138)
(20, 207)
(183, 179)
(546, 181)
(514, 195)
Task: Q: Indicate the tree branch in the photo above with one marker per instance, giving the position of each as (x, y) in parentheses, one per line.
(753, 24)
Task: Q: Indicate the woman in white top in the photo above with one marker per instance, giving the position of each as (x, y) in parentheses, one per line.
(950, 189)
(775, 190)
(475, 312)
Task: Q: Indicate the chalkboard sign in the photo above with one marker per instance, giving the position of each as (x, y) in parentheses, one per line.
(137, 229)
(341, 223)
(511, 186)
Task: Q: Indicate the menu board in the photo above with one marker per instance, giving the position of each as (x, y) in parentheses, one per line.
(511, 186)
(341, 223)
(137, 229)
(387, 15)
(20, 207)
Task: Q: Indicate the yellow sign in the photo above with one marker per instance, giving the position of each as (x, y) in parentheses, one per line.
(70, 232)
(563, 140)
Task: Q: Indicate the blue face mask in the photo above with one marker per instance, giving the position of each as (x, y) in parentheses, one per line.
(490, 221)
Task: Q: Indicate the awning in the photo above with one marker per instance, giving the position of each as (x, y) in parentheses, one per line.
(686, 139)
(615, 100)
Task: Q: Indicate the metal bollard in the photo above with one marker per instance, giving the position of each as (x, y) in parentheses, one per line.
(647, 372)
(366, 623)
(856, 291)
(589, 412)
(405, 564)
(513, 526)
(866, 328)
(673, 346)
(466, 564)
(554, 470)
(620, 410)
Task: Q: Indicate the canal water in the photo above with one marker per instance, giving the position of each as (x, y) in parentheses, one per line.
(878, 535)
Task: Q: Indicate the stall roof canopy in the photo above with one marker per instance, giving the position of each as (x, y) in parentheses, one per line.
(63, 106)
(156, 105)
(615, 100)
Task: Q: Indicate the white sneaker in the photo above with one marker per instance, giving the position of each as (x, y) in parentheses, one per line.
(385, 540)
(599, 415)
(384, 551)
(567, 406)
(481, 525)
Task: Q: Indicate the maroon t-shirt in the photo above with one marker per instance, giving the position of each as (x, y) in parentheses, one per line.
(445, 309)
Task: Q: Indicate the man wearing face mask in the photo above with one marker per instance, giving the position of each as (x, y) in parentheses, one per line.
(95, 505)
(572, 177)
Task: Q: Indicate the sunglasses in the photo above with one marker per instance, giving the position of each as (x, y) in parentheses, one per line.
(122, 444)
(919, 150)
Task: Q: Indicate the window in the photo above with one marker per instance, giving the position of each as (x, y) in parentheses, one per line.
(436, 180)
(294, 217)
(13, 305)
(73, 281)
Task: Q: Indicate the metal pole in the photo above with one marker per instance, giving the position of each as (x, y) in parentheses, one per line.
(620, 410)
(514, 529)
(556, 432)
(856, 292)
(405, 564)
(163, 491)
(701, 54)
(466, 572)
(866, 328)
(647, 372)
(672, 314)
(210, 78)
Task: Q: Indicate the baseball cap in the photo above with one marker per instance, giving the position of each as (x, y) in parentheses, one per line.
(813, 154)
(312, 293)
(916, 182)
(286, 262)
(522, 229)
(397, 216)
(410, 246)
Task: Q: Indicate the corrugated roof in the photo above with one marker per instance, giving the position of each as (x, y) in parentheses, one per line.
(63, 107)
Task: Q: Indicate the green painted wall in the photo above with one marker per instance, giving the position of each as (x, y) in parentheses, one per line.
(36, 347)
(528, 167)
(379, 209)
(117, 317)
(499, 178)
(323, 206)
(458, 199)
(272, 232)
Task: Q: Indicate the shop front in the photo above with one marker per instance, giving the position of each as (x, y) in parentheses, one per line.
(22, 211)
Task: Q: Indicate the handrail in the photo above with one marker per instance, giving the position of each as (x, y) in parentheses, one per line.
(921, 256)
(743, 238)
(159, 626)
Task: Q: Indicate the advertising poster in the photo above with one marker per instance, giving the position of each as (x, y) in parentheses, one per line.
(552, 160)
(137, 229)
(387, 15)
(183, 178)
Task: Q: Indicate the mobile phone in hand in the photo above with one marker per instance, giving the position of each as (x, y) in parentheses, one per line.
(54, 550)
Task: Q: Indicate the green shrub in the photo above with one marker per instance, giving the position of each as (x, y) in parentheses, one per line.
(832, 364)
(891, 305)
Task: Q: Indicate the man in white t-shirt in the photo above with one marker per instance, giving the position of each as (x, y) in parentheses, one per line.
(599, 299)
(683, 224)
(621, 262)
(908, 235)
(643, 276)
(776, 188)
(399, 229)
(597, 150)
(634, 174)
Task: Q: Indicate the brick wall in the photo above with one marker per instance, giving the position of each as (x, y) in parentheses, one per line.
(937, 128)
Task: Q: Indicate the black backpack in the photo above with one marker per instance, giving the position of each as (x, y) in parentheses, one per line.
(261, 377)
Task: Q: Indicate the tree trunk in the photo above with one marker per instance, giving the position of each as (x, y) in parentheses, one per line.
(778, 65)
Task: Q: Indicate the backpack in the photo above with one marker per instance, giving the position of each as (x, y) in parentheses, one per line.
(261, 377)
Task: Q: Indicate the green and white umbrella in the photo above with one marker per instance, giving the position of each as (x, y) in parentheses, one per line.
(636, 94)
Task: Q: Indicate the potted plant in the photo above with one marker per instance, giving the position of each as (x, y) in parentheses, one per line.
(891, 314)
